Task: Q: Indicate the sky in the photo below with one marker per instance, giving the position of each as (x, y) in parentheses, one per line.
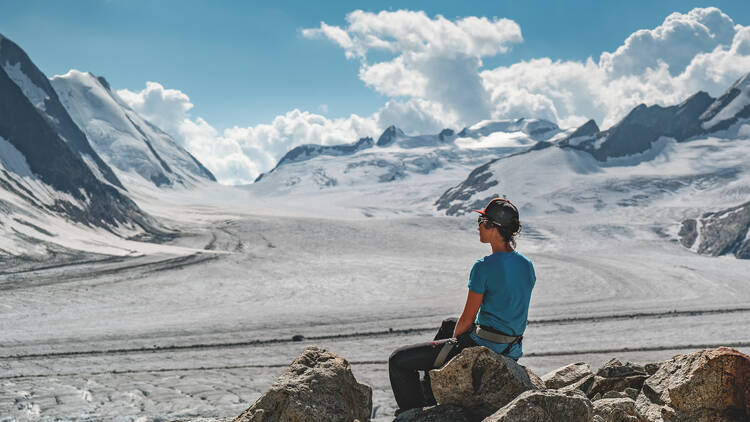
(239, 83)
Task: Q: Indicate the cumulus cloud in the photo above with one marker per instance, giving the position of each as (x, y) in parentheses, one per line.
(675, 42)
(432, 71)
(166, 108)
(700, 50)
(433, 59)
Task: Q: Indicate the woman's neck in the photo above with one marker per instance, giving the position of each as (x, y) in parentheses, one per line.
(501, 247)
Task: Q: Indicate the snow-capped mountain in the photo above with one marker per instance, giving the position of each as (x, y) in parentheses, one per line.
(662, 164)
(134, 147)
(50, 176)
(399, 172)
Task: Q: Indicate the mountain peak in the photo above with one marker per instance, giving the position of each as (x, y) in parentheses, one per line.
(732, 106)
(587, 129)
(389, 135)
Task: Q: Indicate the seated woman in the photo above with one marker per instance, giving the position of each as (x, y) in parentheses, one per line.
(495, 313)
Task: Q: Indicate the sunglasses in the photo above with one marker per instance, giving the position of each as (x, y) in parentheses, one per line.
(481, 220)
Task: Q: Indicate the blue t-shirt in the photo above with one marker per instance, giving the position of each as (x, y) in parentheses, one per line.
(506, 280)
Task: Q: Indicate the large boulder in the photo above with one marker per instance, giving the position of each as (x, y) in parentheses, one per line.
(439, 413)
(616, 376)
(546, 406)
(481, 381)
(705, 386)
(619, 409)
(318, 386)
(567, 375)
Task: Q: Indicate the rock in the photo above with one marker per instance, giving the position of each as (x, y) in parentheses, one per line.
(652, 367)
(438, 413)
(546, 406)
(318, 386)
(616, 395)
(631, 392)
(583, 384)
(615, 376)
(481, 381)
(566, 375)
(705, 386)
(615, 369)
(621, 409)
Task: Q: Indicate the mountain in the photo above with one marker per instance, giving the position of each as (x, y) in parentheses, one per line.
(134, 147)
(421, 166)
(39, 93)
(664, 164)
(50, 176)
(699, 115)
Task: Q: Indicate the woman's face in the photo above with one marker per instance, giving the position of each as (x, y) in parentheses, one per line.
(488, 234)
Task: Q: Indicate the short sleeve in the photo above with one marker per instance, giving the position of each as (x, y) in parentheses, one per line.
(477, 281)
(532, 274)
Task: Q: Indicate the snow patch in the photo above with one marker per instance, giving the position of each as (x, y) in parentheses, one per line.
(34, 93)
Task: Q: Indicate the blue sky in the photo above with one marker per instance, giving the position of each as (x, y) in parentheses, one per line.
(259, 84)
(244, 62)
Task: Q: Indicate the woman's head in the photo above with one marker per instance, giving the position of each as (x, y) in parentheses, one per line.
(502, 216)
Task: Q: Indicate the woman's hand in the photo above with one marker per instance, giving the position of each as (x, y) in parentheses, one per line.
(466, 321)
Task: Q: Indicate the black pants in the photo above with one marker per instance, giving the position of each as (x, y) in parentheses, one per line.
(405, 362)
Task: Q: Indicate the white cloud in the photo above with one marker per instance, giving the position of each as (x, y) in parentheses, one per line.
(434, 59)
(439, 61)
(431, 68)
(166, 108)
(675, 42)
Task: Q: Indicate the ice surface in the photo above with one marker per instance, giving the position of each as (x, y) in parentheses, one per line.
(202, 324)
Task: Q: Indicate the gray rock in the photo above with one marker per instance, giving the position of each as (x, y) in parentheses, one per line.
(583, 384)
(318, 386)
(620, 409)
(720, 232)
(566, 375)
(481, 381)
(616, 376)
(706, 386)
(546, 406)
(438, 413)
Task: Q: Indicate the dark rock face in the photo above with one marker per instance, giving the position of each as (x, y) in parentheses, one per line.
(638, 131)
(740, 90)
(309, 151)
(587, 129)
(481, 381)
(389, 136)
(57, 163)
(317, 386)
(705, 386)
(453, 201)
(545, 406)
(720, 232)
(52, 111)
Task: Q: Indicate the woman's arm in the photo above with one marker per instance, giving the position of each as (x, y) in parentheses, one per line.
(473, 302)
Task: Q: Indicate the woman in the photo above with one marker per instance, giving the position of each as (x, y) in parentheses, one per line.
(494, 316)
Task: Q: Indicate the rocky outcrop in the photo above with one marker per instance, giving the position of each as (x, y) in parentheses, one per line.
(481, 381)
(318, 386)
(719, 233)
(616, 376)
(567, 375)
(545, 406)
(705, 386)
